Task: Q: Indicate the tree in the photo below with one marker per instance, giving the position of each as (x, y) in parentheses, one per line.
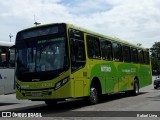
(155, 50)
(155, 58)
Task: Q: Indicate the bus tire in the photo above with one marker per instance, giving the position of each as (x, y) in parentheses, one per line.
(94, 95)
(51, 102)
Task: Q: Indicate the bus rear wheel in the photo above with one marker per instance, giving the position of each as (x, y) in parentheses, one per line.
(135, 90)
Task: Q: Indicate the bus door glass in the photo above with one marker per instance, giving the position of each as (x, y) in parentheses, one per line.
(77, 50)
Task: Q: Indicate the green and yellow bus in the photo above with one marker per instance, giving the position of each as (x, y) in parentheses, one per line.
(59, 61)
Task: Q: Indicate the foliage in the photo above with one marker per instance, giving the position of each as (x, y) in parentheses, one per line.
(155, 58)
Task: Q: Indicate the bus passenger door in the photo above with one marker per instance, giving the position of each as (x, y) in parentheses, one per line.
(78, 60)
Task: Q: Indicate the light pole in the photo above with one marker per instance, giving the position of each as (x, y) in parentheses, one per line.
(36, 23)
(10, 36)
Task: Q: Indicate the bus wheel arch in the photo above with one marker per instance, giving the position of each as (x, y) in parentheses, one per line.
(95, 91)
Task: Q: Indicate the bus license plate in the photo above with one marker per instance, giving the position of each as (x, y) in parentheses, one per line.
(36, 93)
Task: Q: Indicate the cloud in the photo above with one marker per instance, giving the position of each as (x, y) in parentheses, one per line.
(16, 15)
(136, 21)
(87, 7)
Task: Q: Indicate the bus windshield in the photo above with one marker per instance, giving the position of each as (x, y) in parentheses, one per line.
(42, 55)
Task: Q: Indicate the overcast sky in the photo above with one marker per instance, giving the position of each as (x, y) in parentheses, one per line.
(136, 21)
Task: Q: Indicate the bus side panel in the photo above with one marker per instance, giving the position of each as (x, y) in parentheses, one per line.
(127, 73)
(144, 77)
(109, 85)
(80, 78)
(114, 76)
(119, 76)
(95, 72)
(107, 73)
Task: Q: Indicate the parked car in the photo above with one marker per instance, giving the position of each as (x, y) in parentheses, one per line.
(157, 83)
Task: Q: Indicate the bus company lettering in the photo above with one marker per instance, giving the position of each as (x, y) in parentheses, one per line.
(106, 68)
(129, 70)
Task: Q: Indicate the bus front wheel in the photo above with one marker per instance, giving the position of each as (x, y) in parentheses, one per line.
(94, 95)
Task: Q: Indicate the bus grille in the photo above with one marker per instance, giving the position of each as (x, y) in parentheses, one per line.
(37, 93)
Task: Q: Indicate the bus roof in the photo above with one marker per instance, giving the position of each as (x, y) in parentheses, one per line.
(8, 44)
(90, 32)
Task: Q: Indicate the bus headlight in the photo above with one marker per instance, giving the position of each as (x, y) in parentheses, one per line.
(18, 87)
(61, 83)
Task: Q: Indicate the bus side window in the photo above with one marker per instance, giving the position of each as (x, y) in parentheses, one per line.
(93, 47)
(146, 57)
(126, 54)
(106, 49)
(3, 57)
(134, 55)
(77, 49)
(140, 56)
(117, 52)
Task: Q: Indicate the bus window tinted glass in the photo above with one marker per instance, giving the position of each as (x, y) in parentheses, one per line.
(126, 54)
(134, 55)
(140, 56)
(93, 47)
(117, 52)
(106, 49)
(146, 57)
(77, 47)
